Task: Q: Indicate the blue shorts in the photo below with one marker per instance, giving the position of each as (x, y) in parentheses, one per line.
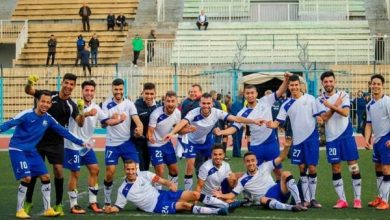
(275, 192)
(266, 151)
(202, 149)
(27, 163)
(381, 153)
(166, 202)
(164, 154)
(344, 149)
(126, 151)
(225, 187)
(307, 152)
(73, 160)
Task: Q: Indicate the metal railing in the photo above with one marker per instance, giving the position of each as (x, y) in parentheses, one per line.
(158, 52)
(160, 10)
(381, 45)
(388, 9)
(11, 29)
(226, 10)
(22, 39)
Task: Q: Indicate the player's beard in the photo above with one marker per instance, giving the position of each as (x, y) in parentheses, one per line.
(329, 89)
(169, 110)
(206, 109)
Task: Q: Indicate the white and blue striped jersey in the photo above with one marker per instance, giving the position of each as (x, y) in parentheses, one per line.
(30, 129)
(162, 124)
(378, 114)
(337, 125)
(258, 184)
(263, 110)
(141, 193)
(86, 131)
(120, 133)
(302, 114)
(213, 176)
(203, 124)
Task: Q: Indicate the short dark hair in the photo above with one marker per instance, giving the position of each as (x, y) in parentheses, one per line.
(69, 76)
(44, 93)
(206, 95)
(218, 147)
(88, 83)
(149, 86)
(248, 154)
(328, 73)
(129, 162)
(197, 85)
(378, 76)
(219, 96)
(250, 87)
(118, 82)
(294, 78)
(170, 94)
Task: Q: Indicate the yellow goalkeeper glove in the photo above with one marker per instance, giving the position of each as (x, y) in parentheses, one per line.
(32, 79)
(80, 105)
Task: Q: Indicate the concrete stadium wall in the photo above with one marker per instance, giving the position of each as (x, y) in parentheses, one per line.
(7, 8)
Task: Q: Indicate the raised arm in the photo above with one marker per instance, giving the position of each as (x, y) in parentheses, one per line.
(29, 87)
(283, 87)
(284, 153)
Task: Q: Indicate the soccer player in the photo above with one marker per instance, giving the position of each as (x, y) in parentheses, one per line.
(118, 142)
(378, 123)
(162, 120)
(203, 119)
(263, 141)
(138, 189)
(73, 159)
(145, 106)
(52, 145)
(333, 106)
(215, 174)
(260, 185)
(301, 109)
(26, 162)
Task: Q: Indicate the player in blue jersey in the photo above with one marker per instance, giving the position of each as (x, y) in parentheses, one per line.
(31, 126)
(378, 124)
(333, 106)
(301, 109)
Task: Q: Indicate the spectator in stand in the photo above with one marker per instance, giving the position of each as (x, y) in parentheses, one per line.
(84, 13)
(138, 46)
(85, 60)
(202, 20)
(121, 21)
(110, 21)
(52, 45)
(360, 104)
(150, 45)
(379, 47)
(94, 45)
(80, 43)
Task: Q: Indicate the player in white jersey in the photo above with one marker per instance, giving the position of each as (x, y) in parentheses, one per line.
(200, 141)
(72, 161)
(118, 142)
(138, 189)
(263, 141)
(301, 109)
(333, 106)
(378, 124)
(260, 185)
(161, 122)
(216, 174)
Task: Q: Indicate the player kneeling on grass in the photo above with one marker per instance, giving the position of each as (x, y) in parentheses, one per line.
(26, 162)
(258, 182)
(215, 174)
(138, 188)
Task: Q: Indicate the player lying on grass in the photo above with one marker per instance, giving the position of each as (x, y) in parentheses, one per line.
(26, 162)
(138, 188)
(259, 183)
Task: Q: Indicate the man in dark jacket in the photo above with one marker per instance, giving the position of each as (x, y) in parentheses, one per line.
(52, 45)
(84, 13)
(145, 106)
(80, 44)
(121, 21)
(94, 45)
(85, 61)
(110, 21)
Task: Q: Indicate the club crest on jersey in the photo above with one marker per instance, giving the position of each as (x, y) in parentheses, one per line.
(44, 123)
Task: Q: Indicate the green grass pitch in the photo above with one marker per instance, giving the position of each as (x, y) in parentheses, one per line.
(325, 195)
